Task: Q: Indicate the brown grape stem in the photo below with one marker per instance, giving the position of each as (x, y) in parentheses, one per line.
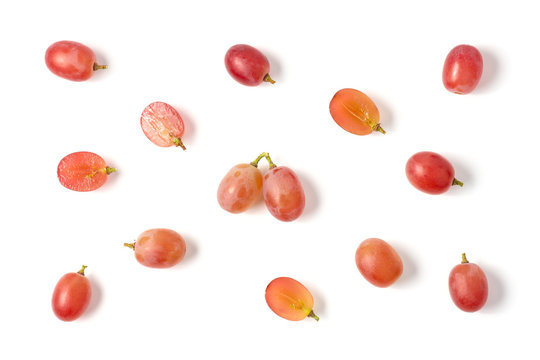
(81, 272)
(464, 259)
(312, 315)
(100, 67)
(267, 78)
(109, 170)
(255, 162)
(457, 182)
(131, 246)
(176, 141)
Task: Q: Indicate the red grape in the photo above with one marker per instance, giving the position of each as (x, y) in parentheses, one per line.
(240, 187)
(72, 60)
(71, 296)
(247, 65)
(430, 172)
(378, 262)
(355, 112)
(290, 299)
(159, 248)
(462, 69)
(162, 125)
(283, 193)
(468, 286)
(83, 171)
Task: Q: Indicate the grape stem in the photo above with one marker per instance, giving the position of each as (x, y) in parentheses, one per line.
(255, 162)
(464, 259)
(312, 315)
(457, 182)
(176, 141)
(265, 155)
(378, 128)
(99, 67)
(81, 272)
(267, 78)
(109, 170)
(131, 246)
(271, 164)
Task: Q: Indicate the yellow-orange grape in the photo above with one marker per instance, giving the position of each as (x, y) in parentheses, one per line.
(290, 299)
(355, 112)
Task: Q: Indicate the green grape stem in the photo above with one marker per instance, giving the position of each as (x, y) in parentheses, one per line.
(265, 155)
(312, 315)
(81, 272)
(178, 142)
(109, 170)
(464, 259)
(255, 162)
(457, 182)
(378, 128)
(271, 164)
(267, 78)
(131, 246)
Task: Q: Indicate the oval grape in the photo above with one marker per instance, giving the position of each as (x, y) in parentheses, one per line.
(247, 65)
(159, 248)
(71, 60)
(290, 299)
(462, 69)
(162, 125)
(240, 188)
(468, 286)
(355, 112)
(431, 173)
(83, 171)
(283, 193)
(71, 296)
(378, 262)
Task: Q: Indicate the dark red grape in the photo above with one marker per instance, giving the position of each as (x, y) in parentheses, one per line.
(247, 65)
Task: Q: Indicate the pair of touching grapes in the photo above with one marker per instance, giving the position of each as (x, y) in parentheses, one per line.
(280, 187)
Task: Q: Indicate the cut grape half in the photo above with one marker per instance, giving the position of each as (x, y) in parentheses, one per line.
(83, 171)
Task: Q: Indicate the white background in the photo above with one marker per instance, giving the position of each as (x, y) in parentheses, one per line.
(211, 306)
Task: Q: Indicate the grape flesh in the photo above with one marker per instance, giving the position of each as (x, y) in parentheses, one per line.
(83, 171)
(289, 299)
(162, 125)
(355, 112)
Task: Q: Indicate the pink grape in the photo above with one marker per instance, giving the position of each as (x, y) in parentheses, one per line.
(462, 69)
(240, 188)
(162, 125)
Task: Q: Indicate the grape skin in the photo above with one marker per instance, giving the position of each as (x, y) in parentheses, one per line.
(240, 188)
